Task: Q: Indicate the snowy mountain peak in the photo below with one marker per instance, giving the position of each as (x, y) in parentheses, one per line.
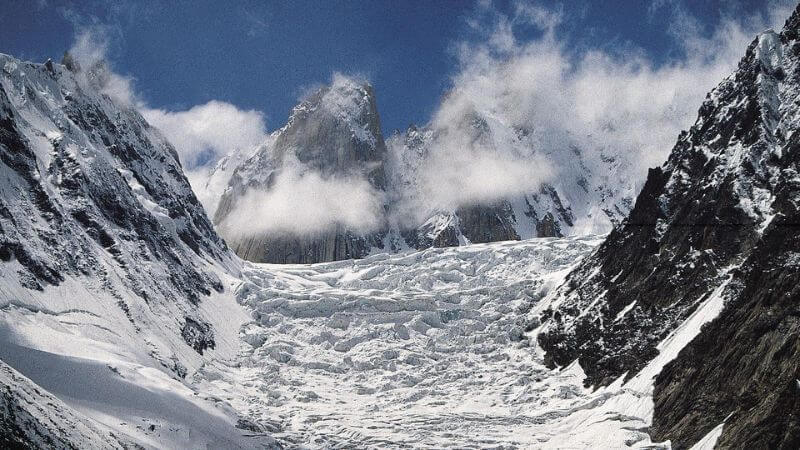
(347, 99)
(332, 142)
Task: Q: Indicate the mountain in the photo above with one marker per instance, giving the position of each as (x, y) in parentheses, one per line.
(335, 134)
(591, 193)
(711, 240)
(126, 321)
(113, 282)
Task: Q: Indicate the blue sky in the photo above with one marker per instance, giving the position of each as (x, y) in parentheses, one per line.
(264, 55)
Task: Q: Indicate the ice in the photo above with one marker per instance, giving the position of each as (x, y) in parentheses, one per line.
(424, 349)
(427, 349)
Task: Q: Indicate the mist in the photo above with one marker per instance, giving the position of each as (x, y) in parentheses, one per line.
(302, 202)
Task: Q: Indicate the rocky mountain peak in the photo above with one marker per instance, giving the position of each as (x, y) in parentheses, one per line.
(334, 133)
(698, 239)
(336, 130)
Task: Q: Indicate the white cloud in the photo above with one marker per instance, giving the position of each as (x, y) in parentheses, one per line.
(204, 133)
(201, 135)
(89, 50)
(302, 202)
(622, 104)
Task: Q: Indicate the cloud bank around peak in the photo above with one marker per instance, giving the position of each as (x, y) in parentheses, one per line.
(304, 203)
(516, 108)
(540, 99)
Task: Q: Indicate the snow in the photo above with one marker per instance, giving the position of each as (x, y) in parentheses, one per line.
(589, 195)
(128, 399)
(385, 349)
(43, 419)
(769, 50)
(349, 100)
(709, 441)
(424, 349)
(625, 310)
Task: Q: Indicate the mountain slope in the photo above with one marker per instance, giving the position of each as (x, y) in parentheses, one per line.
(114, 286)
(713, 222)
(585, 196)
(31, 418)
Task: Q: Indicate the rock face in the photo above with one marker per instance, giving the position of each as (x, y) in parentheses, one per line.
(335, 132)
(718, 218)
(92, 196)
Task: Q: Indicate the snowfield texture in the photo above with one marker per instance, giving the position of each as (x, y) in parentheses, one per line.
(427, 349)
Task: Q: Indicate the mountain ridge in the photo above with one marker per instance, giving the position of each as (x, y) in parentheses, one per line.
(400, 171)
(703, 222)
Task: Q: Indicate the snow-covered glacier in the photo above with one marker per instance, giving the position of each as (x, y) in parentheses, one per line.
(429, 349)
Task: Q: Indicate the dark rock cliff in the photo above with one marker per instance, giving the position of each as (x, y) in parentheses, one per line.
(721, 209)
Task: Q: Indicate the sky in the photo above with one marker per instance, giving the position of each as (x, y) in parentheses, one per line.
(613, 78)
(263, 56)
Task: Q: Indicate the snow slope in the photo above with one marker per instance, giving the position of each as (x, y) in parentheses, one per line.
(114, 286)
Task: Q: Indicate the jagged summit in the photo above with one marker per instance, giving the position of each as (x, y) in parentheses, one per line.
(336, 130)
(335, 133)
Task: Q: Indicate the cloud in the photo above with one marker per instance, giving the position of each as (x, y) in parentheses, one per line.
(204, 133)
(302, 202)
(459, 174)
(303, 199)
(539, 100)
(89, 51)
(515, 113)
